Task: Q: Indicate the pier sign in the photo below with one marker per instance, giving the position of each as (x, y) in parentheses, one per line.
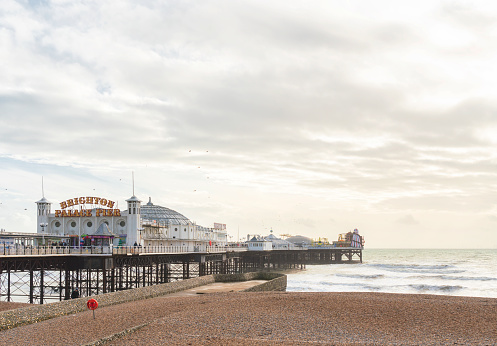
(87, 212)
(83, 202)
(87, 200)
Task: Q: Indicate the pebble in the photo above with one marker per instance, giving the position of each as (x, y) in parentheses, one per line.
(273, 318)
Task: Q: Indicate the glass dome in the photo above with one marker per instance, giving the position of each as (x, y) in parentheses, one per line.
(162, 215)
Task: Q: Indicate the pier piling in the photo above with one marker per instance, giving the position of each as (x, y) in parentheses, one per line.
(39, 279)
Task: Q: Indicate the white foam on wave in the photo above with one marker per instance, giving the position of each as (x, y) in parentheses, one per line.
(446, 272)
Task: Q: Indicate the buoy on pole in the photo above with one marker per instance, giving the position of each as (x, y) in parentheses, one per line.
(92, 304)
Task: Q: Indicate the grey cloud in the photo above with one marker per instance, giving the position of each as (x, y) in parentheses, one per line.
(408, 220)
(309, 223)
(249, 87)
(468, 17)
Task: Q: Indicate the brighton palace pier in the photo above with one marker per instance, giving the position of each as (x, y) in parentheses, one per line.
(89, 243)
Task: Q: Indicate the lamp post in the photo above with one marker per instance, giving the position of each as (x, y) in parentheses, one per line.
(140, 231)
(43, 225)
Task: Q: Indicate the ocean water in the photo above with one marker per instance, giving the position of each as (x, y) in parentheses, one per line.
(470, 273)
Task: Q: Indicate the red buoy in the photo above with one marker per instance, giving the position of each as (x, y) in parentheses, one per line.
(92, 304)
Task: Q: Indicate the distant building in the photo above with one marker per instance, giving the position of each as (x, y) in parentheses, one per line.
(300, 240)
(258, 243)
(279, 244)
(270, 242)
(350, 239)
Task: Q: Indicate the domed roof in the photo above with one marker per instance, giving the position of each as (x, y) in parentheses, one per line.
(299, 239)
(164, 215)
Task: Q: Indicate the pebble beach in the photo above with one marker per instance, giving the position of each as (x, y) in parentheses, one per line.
(273, 318)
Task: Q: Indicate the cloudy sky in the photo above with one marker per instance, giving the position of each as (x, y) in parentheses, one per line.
(304, 117)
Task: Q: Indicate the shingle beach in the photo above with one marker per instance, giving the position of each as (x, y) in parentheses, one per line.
(274, 318)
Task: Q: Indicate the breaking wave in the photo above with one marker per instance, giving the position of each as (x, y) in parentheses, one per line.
(448, 277)
(361, 276)
(435, 288)
(444, 272)
(417, 268)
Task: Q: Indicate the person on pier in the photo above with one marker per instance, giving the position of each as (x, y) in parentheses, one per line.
(75, 293)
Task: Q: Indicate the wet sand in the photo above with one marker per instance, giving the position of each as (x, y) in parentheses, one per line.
(276, 318)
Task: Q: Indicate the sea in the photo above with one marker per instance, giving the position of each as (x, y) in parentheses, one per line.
(471, 273)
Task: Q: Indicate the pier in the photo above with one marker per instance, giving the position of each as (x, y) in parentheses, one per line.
(40, 275)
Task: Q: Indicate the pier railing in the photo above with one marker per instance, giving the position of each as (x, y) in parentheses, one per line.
(52, 250)
(116, 250)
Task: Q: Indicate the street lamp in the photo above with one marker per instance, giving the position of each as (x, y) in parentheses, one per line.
(140, 230)
(43, 225)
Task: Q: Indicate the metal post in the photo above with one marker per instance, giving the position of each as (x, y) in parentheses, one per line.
(137, 276)
(43, 225)
(104, 278)
(31, 288)
(67, 285)
(144, 275)
(113, 278)
(8, 285)
(157, 273)
(98, 277)
(127, 277)
(42, 288)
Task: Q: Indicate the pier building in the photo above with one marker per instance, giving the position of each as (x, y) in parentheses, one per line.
(162, 226)
(88, 220)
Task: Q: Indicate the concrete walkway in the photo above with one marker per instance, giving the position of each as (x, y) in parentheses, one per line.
(217, 287)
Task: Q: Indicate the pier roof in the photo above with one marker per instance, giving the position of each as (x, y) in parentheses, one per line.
(161, 214)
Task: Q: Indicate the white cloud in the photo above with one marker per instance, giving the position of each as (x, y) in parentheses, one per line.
(355, 108)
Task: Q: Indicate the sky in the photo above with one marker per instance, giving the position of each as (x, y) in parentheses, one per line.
(303, 117)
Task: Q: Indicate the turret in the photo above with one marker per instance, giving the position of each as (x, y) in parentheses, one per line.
(43, 211)
(134, 205)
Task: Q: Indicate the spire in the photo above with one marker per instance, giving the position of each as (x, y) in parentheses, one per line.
(133, 198)
(43, 200)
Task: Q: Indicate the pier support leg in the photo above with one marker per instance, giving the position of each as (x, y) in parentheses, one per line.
(144, 275)
(31, 287)
(42, 284)
(104, 279)
(8, 285)
(113, 280)
(67, 285)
